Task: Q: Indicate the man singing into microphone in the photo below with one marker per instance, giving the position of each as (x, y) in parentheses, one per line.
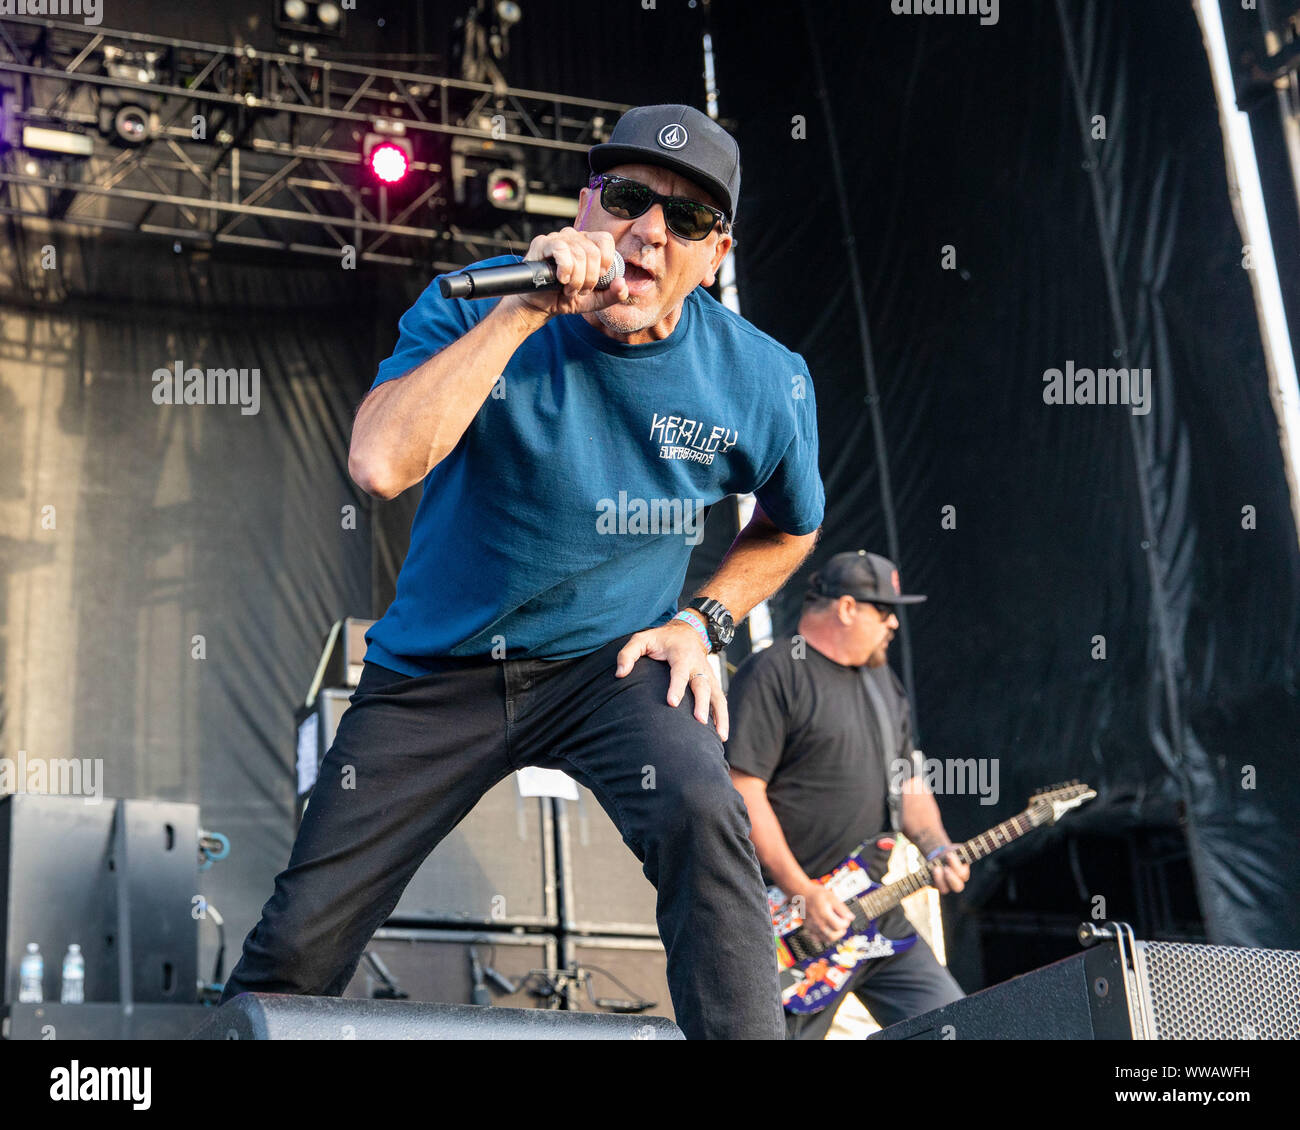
(564, 438)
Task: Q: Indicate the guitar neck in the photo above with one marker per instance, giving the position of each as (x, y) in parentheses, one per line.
(876, 902)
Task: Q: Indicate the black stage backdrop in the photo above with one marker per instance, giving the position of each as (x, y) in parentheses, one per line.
(181, 523)
(1071, 522)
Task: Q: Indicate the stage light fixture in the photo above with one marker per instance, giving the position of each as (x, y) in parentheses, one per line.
(487, 178)
(124, 117)
(8, 118)
(131, 124)
(547, 204)
(309, 17)
(509, 13)
(387, 153)
(506, 189)
(128, 124)
(66, 143)
(388, 163)
(9, 127)
(132, 66)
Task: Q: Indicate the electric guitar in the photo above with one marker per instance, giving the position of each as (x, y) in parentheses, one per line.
(813, 976)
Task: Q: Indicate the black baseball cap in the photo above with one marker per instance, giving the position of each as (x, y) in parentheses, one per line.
(863, 576)
(680, 138)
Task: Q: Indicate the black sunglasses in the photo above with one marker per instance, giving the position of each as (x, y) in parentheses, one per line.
(627, 199)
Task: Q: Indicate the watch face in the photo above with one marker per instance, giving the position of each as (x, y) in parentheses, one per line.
(722, 628)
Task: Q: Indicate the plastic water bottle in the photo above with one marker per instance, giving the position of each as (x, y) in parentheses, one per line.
(74, 976)
(31, 974)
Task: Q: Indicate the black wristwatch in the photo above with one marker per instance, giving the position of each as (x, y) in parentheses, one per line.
(721, 627)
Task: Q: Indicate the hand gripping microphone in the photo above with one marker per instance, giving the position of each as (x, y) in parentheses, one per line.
(515, 278)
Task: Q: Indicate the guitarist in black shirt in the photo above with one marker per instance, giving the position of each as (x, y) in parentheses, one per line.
(816, 722)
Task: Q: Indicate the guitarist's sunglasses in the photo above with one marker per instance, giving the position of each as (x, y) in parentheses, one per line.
(627, 199)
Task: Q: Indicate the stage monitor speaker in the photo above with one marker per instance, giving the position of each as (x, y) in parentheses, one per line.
(1139, 991)
(604, 890)
(91, 1021)
(435, 966)
(495, 869)
(62, 872)
(621, 969)
(268, 1016)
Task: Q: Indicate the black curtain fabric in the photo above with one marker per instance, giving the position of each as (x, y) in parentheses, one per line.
(171, 569)
(998, 239)
(174, 522)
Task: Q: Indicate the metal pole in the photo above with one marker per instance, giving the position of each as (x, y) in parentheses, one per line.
(759, 621)
(872, 398)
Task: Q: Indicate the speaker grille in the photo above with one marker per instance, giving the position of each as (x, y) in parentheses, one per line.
(1221, 992)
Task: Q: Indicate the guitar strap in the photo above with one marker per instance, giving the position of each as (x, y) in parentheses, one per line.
(888, 725)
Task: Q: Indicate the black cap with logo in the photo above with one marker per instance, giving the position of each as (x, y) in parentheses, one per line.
(680, 138)
(863, 576)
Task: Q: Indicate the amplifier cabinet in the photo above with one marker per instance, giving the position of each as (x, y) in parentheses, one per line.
(495, 869)
(603, 889)
(435, 965)
(1159, 991)
(60, 876)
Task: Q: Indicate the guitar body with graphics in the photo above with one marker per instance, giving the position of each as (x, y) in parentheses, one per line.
(813, 976)
(809, 983)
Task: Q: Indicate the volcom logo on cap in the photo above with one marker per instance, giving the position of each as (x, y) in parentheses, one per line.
(673, 136)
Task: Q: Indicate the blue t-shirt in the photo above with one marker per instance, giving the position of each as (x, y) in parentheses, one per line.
(565, 516)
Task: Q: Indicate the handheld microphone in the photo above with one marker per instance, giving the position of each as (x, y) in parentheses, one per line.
(515, 278)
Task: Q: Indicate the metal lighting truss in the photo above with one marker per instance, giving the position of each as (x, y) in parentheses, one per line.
(279, 167)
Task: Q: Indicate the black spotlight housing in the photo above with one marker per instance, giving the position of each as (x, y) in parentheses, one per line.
(127, 122)
(488, 178)
(310, 17)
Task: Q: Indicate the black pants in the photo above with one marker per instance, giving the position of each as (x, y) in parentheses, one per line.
(893, 988)
(412, 756)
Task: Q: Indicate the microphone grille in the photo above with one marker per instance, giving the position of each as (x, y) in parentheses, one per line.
(615, 271)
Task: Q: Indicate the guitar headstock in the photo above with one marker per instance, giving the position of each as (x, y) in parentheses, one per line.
(1056, 800)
